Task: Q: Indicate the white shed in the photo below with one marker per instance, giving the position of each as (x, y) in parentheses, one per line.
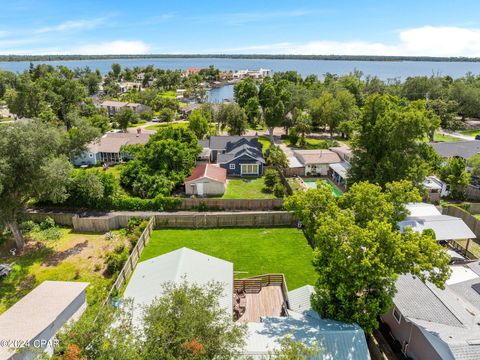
(39, 315)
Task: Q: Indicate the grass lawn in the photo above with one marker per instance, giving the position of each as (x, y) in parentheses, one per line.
(73, 257)
(312, 144)
(162, 125)
(472, 132)
(252, 251)
(140, 123)
(445, 138)
(265, 141)
(473, 247)
(246, 189)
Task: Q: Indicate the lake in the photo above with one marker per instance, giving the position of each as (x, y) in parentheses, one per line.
(385, 70)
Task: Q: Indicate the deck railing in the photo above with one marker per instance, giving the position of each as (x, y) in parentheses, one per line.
(255, 284)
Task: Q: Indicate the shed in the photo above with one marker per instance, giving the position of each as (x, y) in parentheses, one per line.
(206, 179)
(40, 314)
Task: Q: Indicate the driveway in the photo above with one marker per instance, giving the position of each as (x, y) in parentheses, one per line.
(457, 135)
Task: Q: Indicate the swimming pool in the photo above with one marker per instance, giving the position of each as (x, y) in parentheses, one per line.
(312, 184)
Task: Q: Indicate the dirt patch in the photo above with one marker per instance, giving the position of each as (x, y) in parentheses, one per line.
(59, 256)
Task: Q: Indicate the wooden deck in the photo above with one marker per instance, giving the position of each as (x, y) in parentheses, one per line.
(267, 302)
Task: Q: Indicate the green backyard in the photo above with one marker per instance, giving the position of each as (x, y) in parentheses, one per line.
(252, 251)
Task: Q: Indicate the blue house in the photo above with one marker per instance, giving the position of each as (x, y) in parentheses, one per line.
(239, 155)
(108, 149)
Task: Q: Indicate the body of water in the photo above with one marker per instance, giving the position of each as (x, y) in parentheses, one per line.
(383, 69)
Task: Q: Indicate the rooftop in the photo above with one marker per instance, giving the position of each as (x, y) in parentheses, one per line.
(210, 171)
(336, 340)
(311, 157)
(448, 318)
(150, 276)
(112, 142)
(426, 216)
(38, 310)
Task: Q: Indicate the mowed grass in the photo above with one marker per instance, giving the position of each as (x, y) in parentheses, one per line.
(252, 251)
(246, 189)
(470, 132)
(445, 138)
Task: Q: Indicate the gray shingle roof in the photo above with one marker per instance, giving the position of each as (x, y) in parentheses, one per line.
(463, 149)
(220, 142)
(448, 318)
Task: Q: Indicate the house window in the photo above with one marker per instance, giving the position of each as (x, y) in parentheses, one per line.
(249, 169)
(232, 166)
(396, 314)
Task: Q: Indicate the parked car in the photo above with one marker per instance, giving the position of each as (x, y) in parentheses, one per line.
(477, 137)
(156, 120)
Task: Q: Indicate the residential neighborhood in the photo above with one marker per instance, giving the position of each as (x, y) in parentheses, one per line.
(245, 181)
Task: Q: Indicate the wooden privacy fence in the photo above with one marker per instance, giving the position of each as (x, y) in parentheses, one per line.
(231, 204)
(132, 259)
(225, 219)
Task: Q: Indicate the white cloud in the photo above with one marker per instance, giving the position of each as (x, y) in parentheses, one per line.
(117, 47)
(421, 41)
(69, 25)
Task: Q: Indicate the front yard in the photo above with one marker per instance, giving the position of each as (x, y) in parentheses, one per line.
(246, 189)
(252, 251)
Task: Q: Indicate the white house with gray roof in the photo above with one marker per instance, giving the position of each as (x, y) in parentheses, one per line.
(431, 323)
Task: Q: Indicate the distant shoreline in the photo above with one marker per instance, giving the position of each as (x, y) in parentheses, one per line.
(23, 58)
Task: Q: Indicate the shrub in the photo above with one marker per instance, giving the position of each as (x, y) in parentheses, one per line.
(293, 137)
(270, 179)
(28, 225)
(47, 223)
(279, 190)
(115, 261)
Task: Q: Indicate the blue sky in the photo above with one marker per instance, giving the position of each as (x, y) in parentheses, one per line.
(388, 27)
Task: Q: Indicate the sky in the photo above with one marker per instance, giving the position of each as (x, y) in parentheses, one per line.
(344, 27)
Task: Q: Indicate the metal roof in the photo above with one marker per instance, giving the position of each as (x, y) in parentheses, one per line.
(426, 216)
(335, 339)
(37, 311)
(445, 227)
(341, 168)
(150, 276)
(299, 299)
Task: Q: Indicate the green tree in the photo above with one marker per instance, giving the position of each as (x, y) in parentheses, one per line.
(303, 126)
(245, 90)
(126, 117)
(116, 70)
(275, 156)
(358, 257)
(167, 115)
(456, 176)
(252, 110)
(474, 164)
(388, 145)
(234, 117)
(149, 174)
(198, 123)
(186, 322)
(294, 350)
(32, 167)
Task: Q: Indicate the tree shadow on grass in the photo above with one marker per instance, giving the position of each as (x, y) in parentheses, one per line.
(57, 257)
(19, 283)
